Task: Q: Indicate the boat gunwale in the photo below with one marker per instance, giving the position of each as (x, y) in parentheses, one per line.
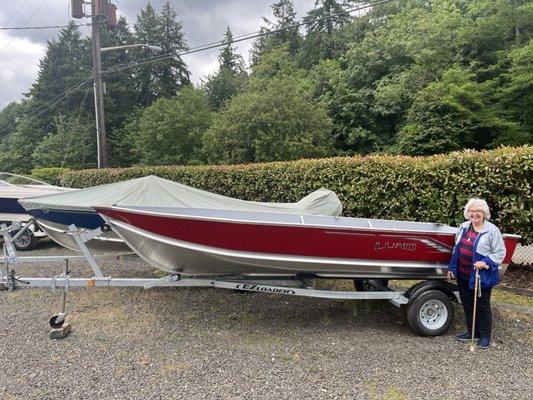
(251, 222)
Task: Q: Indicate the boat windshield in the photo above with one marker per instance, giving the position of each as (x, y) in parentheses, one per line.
(9, 179)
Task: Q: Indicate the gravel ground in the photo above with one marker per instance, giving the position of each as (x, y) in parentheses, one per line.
(213, 344)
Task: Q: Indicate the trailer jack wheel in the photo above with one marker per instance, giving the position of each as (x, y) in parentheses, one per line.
(430, 313)
(57, 321)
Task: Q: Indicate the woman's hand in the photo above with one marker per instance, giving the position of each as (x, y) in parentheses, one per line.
(481, 265)
(450, 276)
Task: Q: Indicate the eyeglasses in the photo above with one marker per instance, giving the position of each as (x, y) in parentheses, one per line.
(476, 211)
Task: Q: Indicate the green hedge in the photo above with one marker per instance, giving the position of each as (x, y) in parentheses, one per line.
(431, 189)
(50, 175)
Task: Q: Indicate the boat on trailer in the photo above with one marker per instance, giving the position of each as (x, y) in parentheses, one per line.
(429, 303)
(195, 241)
(14, 187)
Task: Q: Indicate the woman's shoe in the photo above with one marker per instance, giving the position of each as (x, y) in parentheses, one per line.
(484, 343)
(465, 337)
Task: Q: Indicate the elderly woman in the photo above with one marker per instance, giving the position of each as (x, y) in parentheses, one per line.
(478, 245)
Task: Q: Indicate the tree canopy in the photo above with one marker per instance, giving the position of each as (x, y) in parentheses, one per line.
(406, 77)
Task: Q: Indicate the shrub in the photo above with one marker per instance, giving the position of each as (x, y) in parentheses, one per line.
(50, 175)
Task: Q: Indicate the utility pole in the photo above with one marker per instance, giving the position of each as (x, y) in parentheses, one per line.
(98, 88)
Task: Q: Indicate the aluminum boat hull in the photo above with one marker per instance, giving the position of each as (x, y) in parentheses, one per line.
(207, 242)
(108, 242)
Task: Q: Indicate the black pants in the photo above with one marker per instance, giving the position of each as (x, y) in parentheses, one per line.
(483, 313)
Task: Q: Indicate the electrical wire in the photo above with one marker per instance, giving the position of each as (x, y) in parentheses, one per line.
(40, 111)
(16, 12)
(26, 23)
(20, 28)
(241, 38)
(197, 49)
(66, 151)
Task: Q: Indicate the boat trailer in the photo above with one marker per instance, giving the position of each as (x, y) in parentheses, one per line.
(429, 304)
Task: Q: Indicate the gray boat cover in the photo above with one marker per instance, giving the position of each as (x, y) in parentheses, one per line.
(158, 192)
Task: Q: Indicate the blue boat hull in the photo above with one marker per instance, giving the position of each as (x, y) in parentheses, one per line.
(82, 219)
(56, 222)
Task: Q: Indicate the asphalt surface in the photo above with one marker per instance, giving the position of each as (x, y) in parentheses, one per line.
(200, 343)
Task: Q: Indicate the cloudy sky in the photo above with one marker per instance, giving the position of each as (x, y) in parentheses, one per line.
(204, 21)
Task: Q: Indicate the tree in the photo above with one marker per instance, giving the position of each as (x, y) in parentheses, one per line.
(65, 65)
(321, 40)
(121, 95)
(146, 31)
(230, 78)
(162, 78)
(73, 144)
(451, 114)
(172, 73)
(276, 119)
(514, 95)
(284, 32)
(228, 58)
(170, 131)
(20, 146)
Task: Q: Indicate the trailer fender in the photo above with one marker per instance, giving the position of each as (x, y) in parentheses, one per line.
(444, 286)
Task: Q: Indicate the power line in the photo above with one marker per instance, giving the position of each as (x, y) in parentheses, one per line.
(54, 101)
(16, 12)
(40, 27)
(199, 48)
(240, 38)
(26, 23)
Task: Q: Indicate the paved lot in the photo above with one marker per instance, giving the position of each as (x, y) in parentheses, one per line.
(215, 344)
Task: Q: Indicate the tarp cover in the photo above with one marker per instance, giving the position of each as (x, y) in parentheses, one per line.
(154, 191)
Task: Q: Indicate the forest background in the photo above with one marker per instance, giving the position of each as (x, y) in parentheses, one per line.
(405, 77)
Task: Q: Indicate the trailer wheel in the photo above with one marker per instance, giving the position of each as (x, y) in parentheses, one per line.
(430, 313)
(26, 242)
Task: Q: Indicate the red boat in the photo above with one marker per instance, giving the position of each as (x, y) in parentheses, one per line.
(213, 242)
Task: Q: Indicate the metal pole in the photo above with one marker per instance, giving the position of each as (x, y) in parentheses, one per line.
(63, 299)
(98, 90)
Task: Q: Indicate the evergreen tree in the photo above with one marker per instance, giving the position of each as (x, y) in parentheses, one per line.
(146, 31)
(66, 63)
(320, 40)
(288, 34)
(228, 58)
(171, 73)
(161, 78)
(230, 78)
(121, 96)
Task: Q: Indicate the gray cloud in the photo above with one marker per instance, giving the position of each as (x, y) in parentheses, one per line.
(204, 21)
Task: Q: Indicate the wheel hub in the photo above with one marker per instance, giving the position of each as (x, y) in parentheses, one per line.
(433, 314)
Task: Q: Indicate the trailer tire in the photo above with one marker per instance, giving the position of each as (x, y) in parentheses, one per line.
(26, 242)
(430, 313)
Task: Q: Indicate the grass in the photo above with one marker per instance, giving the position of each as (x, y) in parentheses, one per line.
(386, 393)
(502, 296)
(170, 369)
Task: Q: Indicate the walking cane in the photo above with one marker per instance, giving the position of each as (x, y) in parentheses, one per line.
(476, 284)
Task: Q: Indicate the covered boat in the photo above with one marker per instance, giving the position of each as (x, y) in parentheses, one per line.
(14, 187)
(55, 213)
(199, 241)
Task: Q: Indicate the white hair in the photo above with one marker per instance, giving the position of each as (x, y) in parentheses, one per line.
(482, 204)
